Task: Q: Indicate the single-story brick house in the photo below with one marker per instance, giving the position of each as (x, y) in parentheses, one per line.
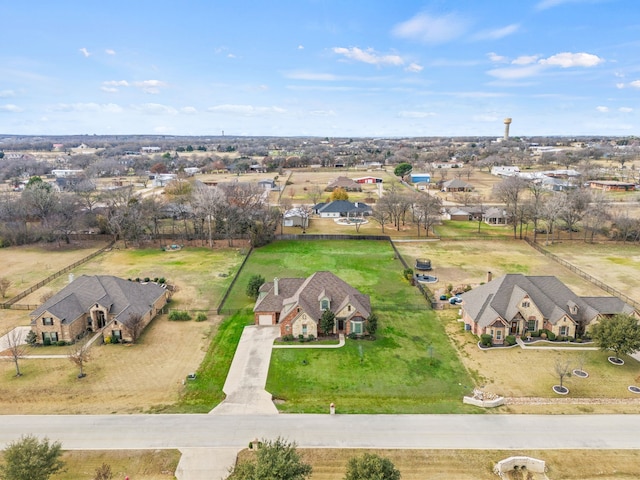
(91, 303)
(342, 208)
(515, 304)
(345, 183)
(296, 305)
(456, 185)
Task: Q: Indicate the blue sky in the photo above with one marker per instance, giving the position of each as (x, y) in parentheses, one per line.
(345, 68)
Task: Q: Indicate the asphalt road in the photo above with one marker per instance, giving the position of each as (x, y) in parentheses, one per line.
(330, 431)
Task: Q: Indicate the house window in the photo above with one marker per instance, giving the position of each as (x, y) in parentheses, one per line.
(564, 330)
(47, 321)
(288, 328)
(498, 334)
(532, 325)
(348, 308)
(324, 305)
(356, 327)
(117, 334)
(49, 337)
(526, 304)
(304, 330)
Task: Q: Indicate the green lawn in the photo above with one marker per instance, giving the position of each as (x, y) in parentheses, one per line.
(469, 229)
(397, 372)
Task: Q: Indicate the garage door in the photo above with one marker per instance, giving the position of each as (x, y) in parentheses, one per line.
(264, 320)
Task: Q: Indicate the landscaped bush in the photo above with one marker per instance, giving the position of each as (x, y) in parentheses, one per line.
(46, 342)
(535, 333)
(161, 280)
(201, 317)
(179, 316)
(61, 343)
(486, 340)
(287, 338)
(510, 340)
(543, 335)
(147, 279)
(578, 340)
(310, 338)
(550, 335)
(408, 273)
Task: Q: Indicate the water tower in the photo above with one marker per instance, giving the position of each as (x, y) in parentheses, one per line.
(507, 122)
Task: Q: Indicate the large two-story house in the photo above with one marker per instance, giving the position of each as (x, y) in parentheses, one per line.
(297, 304)
(515, 304)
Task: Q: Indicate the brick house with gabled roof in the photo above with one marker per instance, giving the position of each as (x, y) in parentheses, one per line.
(296, 305)
(346, 183)
(515, 304)
(92, 303)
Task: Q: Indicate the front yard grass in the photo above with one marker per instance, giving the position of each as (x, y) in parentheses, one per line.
(398, 372)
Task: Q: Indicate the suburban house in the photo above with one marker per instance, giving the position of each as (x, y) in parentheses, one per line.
(456, 185)
(345, 183)
(267, 184)
(342, 208)
(297, 304)
(515, 304)
(91, 303)
(505, 170)
(612, 185)
(495, 216)
(296, 217)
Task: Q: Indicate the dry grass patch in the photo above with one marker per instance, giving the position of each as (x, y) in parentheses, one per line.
(330, 464)
(467, 262)
(120, 378)
(29, 264)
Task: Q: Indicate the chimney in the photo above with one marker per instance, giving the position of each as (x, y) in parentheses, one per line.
(71, 277)
(275, 286)
(489, 277)
(356, 204)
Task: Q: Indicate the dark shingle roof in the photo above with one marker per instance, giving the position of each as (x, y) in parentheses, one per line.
(120, 297)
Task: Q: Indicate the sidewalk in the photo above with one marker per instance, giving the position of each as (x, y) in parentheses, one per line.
(310, 345)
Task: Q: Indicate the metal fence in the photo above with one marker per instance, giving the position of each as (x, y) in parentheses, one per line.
(583, 274)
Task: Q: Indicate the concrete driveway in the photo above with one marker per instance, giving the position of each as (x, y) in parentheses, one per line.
(21, 337)
(247, 376)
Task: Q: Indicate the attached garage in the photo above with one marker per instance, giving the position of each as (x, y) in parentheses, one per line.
(265, 319)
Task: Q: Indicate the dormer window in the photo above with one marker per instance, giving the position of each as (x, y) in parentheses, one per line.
(526, 304)
(324, 304)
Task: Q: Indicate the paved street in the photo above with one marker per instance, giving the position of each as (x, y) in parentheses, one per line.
(341, 431)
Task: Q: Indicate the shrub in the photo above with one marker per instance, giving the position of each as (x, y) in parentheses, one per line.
(408, 273)
(543, 335)
(179, 316)
(486, 340)
(46, 342)
(31, 338)
(201, 317)
(310, 338)
(61, 343)
(147, 279)
(253, 286)
(287, 338)
(510, 340)
(535, 333)
(107, 340)
(161, 280)
(578, 340)
(352, 336)
(550, 335)
(301, 338)
(467, 288)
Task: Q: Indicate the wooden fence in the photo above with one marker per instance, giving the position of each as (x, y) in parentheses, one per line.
(583, 274)
(10, 303)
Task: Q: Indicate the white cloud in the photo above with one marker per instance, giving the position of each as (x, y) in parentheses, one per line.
(432, 29)
(625, 109)
(322, 113)
(525, 60)
(620, 85)
(84, 52)
(635, 84)
(245, 110)
(545, 4)
(325, 77)
(11, 108)
(602, 109)
(414, 68)
(568, 59)
(368, 56)
(116, 83)
(415, 114)
(155, 109)
(110, 51)
(7, 93)
(498, 33)
(150, 86)
(86, 107)
(189, 110)
(300, 47)
(494, 57)
(514, 73)
(109, 89)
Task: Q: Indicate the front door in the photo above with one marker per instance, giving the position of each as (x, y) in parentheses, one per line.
(341, 325)
(514, 328)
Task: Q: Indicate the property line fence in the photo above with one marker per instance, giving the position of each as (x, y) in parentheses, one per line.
(219, 310)
(10, 303)
(583, 274)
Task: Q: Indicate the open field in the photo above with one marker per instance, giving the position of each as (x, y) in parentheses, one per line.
(27, 265)
(330, 464)
(616, 264)
(136, 464)
(147, 376)
(467, 262)
(394, 373)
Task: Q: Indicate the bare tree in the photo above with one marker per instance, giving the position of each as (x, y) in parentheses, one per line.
(509, 191)
(5, 284)
(550, 212)
(428, 210)
(208, 203)
(135, 325)
(79, 354)
(562, 369)
(16, 347)
(575, 206)
(314, 193)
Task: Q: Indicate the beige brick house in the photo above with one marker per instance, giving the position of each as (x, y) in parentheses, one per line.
(296, 304)
(515, 304)
(96, 303)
